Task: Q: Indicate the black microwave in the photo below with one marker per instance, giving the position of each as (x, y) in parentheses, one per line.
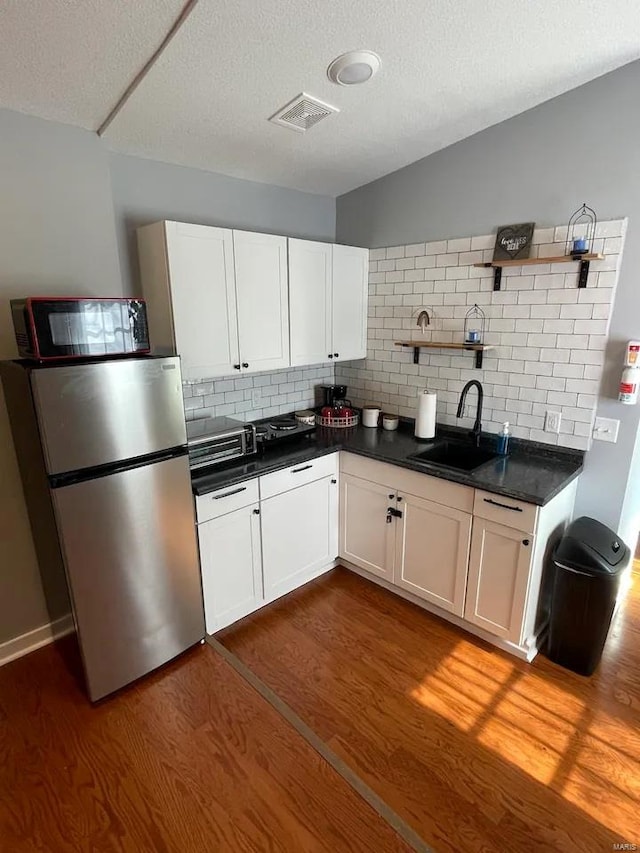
(59, 327)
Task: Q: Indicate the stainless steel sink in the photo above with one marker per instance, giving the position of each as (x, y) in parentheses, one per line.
(453, 454)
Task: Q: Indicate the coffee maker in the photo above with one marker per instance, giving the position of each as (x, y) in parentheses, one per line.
(336, 407)
(334, 395)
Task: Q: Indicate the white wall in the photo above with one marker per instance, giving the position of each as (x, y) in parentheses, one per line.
(548, 336)
(538, 166)
(62, 232)
(57, 236)
(262, 395)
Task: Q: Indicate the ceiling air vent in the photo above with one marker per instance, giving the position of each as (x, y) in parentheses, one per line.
(302, 113)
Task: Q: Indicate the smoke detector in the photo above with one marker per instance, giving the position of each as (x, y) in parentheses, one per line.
(354, 67)
(302, 113)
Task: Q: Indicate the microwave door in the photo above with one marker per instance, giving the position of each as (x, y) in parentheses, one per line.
(96, 414)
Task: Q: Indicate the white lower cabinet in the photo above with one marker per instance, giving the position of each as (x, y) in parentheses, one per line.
(473, 554)
(367, 532)
(299, 535)
(231, 566)
(499, 569)
(253, 550)
(432, 552)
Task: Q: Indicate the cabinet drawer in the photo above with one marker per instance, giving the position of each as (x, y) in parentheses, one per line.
(434, 489)
(226, 500)
(298, 475)
(368, 469)
(409, 482)
(512, 513)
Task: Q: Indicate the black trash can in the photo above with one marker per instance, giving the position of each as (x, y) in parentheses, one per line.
(584, 578)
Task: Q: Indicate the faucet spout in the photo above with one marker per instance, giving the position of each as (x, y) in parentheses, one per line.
(477, 426)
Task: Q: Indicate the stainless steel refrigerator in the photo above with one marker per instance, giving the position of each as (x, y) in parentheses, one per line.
(102, 452)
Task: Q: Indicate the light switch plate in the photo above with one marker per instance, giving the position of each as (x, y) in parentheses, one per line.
(256, 396)
(606, 429)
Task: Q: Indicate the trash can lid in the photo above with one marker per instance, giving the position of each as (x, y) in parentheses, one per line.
(589, 545)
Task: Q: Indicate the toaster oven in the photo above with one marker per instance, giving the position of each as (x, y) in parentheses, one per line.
(211, 441)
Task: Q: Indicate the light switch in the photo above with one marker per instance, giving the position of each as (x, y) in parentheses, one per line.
(606, 429)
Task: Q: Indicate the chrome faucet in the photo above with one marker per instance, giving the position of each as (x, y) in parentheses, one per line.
(423, 321)
(477, 427)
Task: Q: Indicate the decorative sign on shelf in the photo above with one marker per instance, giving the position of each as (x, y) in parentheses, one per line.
(513, 242)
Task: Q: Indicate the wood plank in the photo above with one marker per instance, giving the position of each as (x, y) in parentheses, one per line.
(441, 345)
(189, 759)
(473, 749)
(557, 259)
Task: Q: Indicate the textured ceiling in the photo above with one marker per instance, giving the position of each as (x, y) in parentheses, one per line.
(449, 69)
(70, 60)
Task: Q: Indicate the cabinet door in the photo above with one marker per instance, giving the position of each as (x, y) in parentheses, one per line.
(310, 302)
(262, 297)
(349, 302)
(498, 578)
(203, 299)
(299, 535)
(231, 566)
(367, 535)
(432, 552)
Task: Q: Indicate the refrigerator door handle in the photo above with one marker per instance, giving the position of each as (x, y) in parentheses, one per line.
(70, 478)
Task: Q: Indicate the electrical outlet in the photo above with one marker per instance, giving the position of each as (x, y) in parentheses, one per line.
(606, 429)
(552, 421)
(255, 398)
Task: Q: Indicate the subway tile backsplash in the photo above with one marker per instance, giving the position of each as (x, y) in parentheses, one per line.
(260, 395)
(549, 336)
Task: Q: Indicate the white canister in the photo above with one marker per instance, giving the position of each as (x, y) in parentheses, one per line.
(390, 422)
(370, 416)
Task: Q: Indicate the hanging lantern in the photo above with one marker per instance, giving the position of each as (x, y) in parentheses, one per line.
(581, 232)
(474, 323)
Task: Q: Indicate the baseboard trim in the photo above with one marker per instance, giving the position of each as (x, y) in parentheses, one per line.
(35, 639)
(526, 652)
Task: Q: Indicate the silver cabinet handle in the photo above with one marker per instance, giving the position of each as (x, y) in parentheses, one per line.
(502, 506)
(228, 494)
(304, 468)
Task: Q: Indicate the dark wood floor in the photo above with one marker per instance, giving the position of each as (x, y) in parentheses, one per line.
(475, 750)
(190, 760)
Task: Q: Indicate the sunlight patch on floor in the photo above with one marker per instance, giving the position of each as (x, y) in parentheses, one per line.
(502, 707)
(462, 707)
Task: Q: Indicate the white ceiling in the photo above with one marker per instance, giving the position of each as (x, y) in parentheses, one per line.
(449, 69)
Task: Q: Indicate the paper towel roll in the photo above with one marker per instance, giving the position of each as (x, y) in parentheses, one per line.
(426, 415)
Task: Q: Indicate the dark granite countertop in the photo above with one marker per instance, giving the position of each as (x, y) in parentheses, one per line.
(532, 472)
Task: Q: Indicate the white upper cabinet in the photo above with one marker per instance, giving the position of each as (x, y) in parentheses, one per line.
(188, 281)
(328, 302)
(218, 298)
(310, 301)
(349, 302)
(262, 300)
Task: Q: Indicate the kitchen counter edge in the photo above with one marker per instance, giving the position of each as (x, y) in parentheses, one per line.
(317, 447)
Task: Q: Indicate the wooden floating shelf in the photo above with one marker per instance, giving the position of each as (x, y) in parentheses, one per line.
(479, 349)
(583, 260)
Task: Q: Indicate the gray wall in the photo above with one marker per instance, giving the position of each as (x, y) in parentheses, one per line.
(58, 226)
(581, 146)
(145, 191)
(57, 236)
